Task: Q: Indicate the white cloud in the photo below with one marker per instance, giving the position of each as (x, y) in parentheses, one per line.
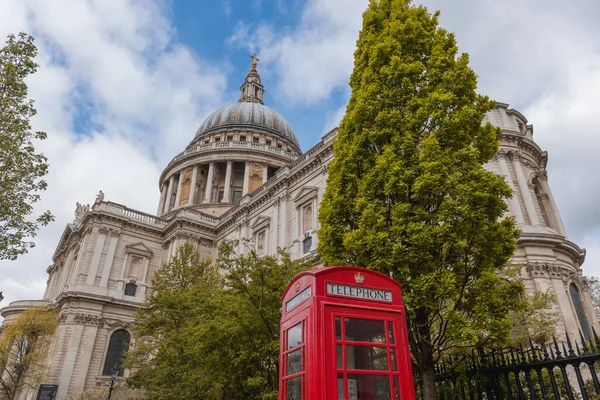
(313, 58)
(118, 97)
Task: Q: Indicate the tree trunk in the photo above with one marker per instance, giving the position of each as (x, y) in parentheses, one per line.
(425, 364)
(428, 376)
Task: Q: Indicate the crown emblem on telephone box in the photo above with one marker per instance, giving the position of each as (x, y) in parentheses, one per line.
(359, 278)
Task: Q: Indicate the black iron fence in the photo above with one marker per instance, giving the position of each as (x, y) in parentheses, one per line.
(545, 371)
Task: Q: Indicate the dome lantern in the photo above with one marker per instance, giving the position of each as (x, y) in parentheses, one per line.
(252, 89)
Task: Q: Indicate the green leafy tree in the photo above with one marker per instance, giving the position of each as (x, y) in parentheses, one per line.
(211, 330)
(407, 193)
(21, 168)
(24, 344)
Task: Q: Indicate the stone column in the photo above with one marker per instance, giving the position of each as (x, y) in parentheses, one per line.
(163, 196)
(193, 186)
(513, 202)
(227, 189)
(246, 178)
(284, 222)
(179, 184)
(169, 194)
(524, 189)
(209, 183)
(110, 256)
(68, 367)
(274, 229)
(555, 214)
(98, 250)
(265, 173)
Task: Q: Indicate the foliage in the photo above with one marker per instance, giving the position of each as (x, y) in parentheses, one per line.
(24, 343)
(21, 168)
(101, 393)
(407, 193)
(211, 331)
(593, 284)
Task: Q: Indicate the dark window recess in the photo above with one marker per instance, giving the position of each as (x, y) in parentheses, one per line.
(220, 197)
(118, 344)
(237, 195)
(242, 138)
(268, 142)
(583, 322)
(217, 139)
(130, 289)
(229, 138)
(279, 146)
(307, 244)
(255, 139)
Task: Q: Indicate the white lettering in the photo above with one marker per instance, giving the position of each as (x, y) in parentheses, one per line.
(299, 298)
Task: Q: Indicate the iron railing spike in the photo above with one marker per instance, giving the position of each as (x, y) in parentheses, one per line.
(569, 345)
(558, 356)
(596, 339)
(583, 343)
(565, 350)
(534, 355)
(546, 355)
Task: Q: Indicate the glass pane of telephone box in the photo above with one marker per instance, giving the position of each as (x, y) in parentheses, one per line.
(341, 387)
(338, 328)
(365, 330)
(368, 387)
(367, 358)
(294, 362)
(295, 336)
(294, 388)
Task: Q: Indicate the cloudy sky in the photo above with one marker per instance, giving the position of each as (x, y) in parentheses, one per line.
(123, 84)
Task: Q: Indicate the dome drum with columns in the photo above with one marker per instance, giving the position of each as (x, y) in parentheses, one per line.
(244, 176)
(235, 150)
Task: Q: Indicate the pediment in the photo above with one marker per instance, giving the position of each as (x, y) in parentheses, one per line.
(139, 248)
(261, 222)
(62, 243)
(307, 192)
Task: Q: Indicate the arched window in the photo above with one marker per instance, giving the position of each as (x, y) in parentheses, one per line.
(307, 218)
(118, 344)
(578, 304)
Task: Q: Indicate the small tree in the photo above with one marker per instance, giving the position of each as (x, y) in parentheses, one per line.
(211, 331)
(24, 344)
(407, 193)
(594, 289)
(21, 168)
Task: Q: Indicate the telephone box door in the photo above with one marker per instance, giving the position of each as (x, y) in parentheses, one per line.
(362, 354)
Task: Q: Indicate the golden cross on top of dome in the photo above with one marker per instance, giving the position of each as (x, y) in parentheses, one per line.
(255, 60)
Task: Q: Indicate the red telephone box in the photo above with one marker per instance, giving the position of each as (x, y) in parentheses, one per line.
(344, 337)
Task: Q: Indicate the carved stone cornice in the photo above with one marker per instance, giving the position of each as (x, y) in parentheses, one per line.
(549, 270)
(94, 320)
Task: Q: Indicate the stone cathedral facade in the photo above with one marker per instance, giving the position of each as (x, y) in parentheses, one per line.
(243, 176)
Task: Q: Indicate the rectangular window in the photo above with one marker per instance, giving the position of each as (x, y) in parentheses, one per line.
(229, 138)
(237, 195)
(220, 196)
(306, 245)
(260, 242)
(217, 138)
(255, 139)
(130, 289)
(268, 142)
(242, 138)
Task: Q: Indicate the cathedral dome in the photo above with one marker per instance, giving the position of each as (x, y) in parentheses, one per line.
(251, 115)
